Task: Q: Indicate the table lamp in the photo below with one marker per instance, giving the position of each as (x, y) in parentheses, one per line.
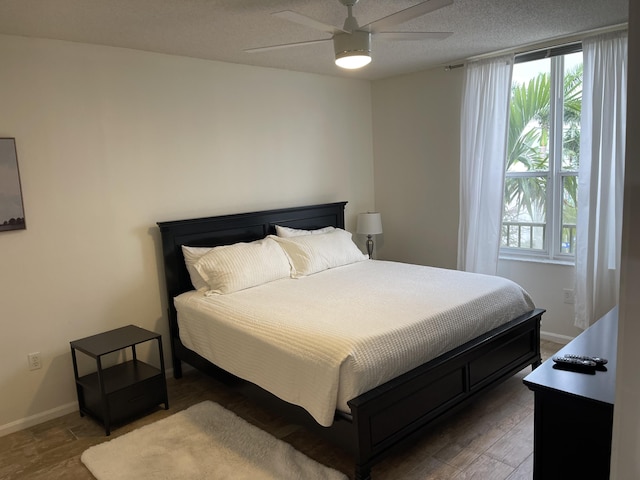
(369, 224)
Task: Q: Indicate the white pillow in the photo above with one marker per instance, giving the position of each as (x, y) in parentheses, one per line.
(230, 268)
(310, 254)
(288, 232)
(191, 256)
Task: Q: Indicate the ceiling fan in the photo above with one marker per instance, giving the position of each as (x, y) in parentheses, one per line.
(352, 42)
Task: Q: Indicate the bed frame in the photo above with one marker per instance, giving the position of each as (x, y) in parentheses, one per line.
(397, 412)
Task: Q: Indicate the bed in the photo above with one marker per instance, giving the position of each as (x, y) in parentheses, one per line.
(378, 417)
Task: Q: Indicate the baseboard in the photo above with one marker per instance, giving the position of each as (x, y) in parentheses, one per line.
(554, 337)
(38, 418)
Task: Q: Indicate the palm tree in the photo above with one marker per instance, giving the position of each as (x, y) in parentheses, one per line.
(528, 145)
(528, 140)
(571, 135)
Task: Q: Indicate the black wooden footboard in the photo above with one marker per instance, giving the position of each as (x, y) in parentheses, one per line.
(398, 411)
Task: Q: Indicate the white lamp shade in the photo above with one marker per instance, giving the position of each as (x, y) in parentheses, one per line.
(369, 223)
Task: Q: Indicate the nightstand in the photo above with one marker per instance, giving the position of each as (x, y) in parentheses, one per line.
(126, 389)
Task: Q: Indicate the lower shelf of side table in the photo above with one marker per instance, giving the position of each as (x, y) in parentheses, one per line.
(130, 388)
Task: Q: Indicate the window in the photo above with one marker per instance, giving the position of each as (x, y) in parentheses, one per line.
(541, 183)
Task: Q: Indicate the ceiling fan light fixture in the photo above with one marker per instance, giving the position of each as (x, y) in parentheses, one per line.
(353, 61)
(353, 50)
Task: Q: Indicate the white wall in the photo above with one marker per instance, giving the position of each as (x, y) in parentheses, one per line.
(416, 122)
(546, 283)
(416, 159)
(109, 142)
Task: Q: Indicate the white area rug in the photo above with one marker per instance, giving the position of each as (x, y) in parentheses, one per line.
(204, 441)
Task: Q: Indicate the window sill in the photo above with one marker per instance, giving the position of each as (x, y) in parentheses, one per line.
(531, 259)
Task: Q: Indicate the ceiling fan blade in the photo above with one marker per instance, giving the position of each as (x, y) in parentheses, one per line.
(285, 45)
(308, 22)
(413, 35)
(406, 15)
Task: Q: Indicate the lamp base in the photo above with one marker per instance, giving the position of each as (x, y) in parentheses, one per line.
(369, 246)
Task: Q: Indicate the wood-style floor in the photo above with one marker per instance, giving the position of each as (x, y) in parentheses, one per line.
(491, 439)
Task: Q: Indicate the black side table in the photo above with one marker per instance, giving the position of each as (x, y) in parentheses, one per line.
(123, 390)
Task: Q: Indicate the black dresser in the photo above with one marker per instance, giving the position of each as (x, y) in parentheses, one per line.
(574, 411)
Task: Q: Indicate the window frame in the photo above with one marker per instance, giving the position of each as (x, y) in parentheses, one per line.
(555, 175)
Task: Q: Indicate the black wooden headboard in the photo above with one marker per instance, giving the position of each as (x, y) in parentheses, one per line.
(228, 229)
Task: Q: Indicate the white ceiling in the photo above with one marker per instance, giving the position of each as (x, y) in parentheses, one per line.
(222, 29)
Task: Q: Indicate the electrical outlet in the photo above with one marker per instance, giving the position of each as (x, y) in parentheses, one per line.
(568, 295)
(34, 361)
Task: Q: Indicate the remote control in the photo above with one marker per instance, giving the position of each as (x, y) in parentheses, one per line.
(599, 360)
(575, 365)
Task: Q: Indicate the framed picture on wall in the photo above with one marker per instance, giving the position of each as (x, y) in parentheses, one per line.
(11, 207)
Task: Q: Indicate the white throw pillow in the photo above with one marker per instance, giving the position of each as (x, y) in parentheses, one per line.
(191, 256)
(230, 268)
(310, 254)
(288, 232)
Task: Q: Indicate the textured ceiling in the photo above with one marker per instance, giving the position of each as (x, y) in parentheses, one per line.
(222, 29)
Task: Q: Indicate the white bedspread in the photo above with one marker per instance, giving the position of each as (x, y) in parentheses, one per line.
(321, 340)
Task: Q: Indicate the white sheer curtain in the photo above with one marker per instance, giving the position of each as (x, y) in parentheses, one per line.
(601, 176)
(483, 145)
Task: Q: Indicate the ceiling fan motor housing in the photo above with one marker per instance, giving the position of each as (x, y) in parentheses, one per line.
(347, 44)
